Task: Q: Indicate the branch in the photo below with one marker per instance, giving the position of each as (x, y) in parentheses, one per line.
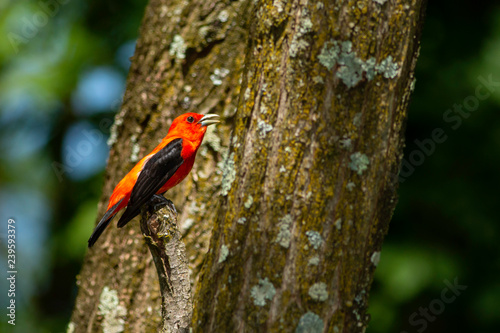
(159, 228)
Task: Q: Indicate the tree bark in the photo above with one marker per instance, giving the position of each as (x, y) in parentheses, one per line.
(188, 58)
(165, 243)
(309, 185)
(313, 97)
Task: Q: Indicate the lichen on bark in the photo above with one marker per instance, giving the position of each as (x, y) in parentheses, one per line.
(317, 140)
(161, 85)
(316, 155)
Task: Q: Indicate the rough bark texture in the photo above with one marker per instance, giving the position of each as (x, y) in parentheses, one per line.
(302, 199)
(165, 243)
(167, 77)
(309, 186)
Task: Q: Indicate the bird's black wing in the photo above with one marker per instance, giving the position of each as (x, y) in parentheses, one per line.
(155, 173)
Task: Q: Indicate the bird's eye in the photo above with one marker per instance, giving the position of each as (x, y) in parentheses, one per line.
(190, 119)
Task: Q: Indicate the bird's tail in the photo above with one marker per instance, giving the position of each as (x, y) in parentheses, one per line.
(103, 223)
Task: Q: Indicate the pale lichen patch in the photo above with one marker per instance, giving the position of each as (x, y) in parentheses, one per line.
(375, 258)
(114, 131)
(262, 292)
(310, 323)
(263, 109)
(284, 233)
(315, 239)
(388, 68)
(318, 292)
(178, 47)
(247, 93)
(71, 327)
(212, 139)
(318, 79)
(218, 75)
(356, 121)
(297, 45)
(136, 148)
(223, 16)
(228, 175)
(412, 84)
(352, 69)
(359, 297)
(329, 54)
(188, 223)
(249, 202)
(263, 128)
(346, 143)
(224, 252)
(359, 162)
(241, 220)
(338, 224)
(278, 4)
(314, 261)
(112, 311)
(304, 27)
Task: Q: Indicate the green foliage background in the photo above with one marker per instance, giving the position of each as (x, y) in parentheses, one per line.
(445, 226)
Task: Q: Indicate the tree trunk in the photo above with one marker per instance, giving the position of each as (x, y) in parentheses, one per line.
(188, 58)
(301, 201)
(310, 188)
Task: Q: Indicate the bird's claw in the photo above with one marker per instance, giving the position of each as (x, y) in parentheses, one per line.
(159, 201)
(171, 205)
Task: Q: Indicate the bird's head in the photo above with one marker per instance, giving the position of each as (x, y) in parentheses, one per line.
(192, 126)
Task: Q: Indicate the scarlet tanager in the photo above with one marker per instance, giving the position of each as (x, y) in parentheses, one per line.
(166, 166)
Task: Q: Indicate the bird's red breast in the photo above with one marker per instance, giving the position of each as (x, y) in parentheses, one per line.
(192, 137)
(165, 167)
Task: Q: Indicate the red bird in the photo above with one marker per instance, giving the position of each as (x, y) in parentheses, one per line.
(166, 166)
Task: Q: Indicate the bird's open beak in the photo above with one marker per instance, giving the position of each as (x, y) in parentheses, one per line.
(209, 119)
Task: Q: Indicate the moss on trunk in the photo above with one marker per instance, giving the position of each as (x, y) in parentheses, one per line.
(313, 97)
(310, 186)
(188, 58)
